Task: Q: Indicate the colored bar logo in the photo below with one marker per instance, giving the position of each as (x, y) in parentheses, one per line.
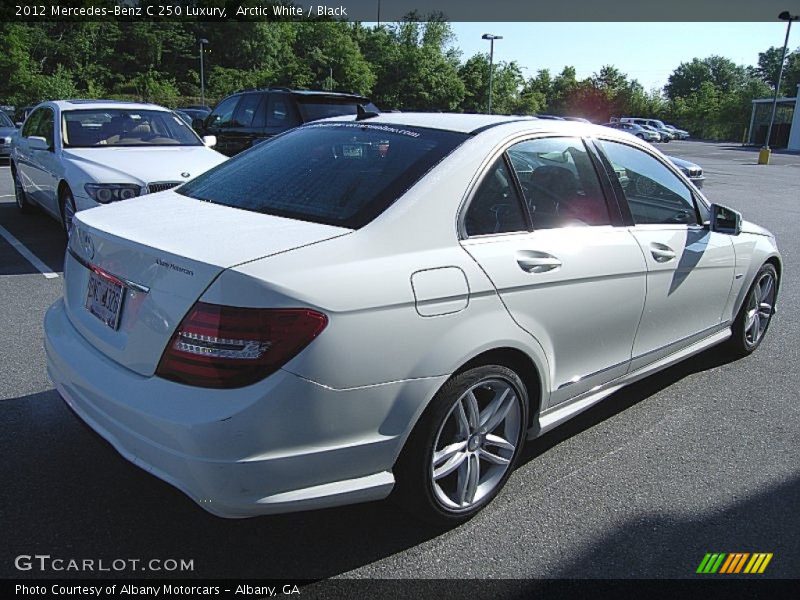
(734, 562)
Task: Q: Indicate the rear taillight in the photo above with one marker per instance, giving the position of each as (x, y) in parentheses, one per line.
(226, 347)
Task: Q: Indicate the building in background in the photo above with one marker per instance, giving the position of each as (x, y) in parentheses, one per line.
(785, 130)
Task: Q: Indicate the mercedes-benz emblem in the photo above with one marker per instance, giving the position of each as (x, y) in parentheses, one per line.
(87, 244)
(185, 174)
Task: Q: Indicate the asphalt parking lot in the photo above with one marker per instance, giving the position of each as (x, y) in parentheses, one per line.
(704, 457)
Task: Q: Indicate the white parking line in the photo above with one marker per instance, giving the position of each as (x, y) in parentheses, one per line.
(27, 254)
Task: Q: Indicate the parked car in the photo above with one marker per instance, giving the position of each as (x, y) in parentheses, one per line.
(186, 118)
(680, 134)
(197, 116)
(7, 131)
(203, 107)
(693, 171)
(646, 134)
(76, 154)
(248, 117)
(662, 135)
(657, 125)
(375, 306)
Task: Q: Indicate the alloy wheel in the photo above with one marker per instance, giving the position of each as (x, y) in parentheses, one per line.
(475, 444)
(760, 308)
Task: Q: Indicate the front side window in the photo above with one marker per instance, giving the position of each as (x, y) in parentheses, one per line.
(559, 182)
(223, 114)
(343, 174)
(654, 193)
(125, 127)
(495, 208)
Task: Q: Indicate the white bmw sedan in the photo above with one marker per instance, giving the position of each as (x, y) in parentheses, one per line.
(393, 304)
(77, 154)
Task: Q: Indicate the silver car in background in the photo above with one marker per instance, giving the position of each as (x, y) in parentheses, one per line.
(393, 305)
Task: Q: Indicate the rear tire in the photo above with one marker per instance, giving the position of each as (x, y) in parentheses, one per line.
(754, 317)
(66, 204)
(23, 204)
(464, 447)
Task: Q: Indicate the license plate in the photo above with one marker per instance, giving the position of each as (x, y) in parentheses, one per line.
(104, 299)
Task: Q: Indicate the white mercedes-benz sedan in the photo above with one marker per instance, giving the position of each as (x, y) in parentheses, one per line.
(76, 154)
(393, 304)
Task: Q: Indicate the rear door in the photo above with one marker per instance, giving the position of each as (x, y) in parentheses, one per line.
(689, 268)
(558, 254)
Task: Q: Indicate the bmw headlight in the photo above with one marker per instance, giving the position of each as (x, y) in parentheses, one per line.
(111, 192)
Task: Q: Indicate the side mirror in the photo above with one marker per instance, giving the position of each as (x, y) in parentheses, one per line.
(18, 124)
(210, 140)
(725, 220)
(36, 142)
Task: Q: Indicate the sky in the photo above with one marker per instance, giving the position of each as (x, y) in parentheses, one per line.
(648, 52)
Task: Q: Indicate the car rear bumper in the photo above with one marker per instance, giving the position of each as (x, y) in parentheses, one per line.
(283, 444)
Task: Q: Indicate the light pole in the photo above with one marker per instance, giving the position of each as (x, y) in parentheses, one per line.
(491, 38)
(763, 155)
(202, 42)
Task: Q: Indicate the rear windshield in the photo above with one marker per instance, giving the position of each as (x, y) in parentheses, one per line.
(315, 108)
(343, 174)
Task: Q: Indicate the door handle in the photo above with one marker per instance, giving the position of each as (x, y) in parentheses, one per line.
(537, 262)
(662, 253)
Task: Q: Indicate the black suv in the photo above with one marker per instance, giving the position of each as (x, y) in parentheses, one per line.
(250, 116)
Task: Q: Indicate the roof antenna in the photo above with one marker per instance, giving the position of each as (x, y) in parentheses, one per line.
(362, 113)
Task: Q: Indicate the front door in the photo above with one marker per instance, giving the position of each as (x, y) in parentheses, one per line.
(690, 269)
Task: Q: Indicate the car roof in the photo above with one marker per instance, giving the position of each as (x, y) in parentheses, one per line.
(84, 104)
(477, 123)
(463, 123)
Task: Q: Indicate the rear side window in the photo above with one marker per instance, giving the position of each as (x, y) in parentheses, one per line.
(32, 122)
(342, 174)
(495, 208)
(281, 113)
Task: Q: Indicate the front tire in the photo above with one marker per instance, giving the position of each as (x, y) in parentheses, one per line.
(66, 203)
(754, 317)
(464, 448)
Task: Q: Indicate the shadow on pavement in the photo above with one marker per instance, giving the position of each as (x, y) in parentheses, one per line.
(39, 233)
(67, 493)
(624, 399)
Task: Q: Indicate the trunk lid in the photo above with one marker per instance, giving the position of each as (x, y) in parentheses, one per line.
(165, 249)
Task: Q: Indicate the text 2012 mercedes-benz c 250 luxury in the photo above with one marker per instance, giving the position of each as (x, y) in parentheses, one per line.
(392, 305)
